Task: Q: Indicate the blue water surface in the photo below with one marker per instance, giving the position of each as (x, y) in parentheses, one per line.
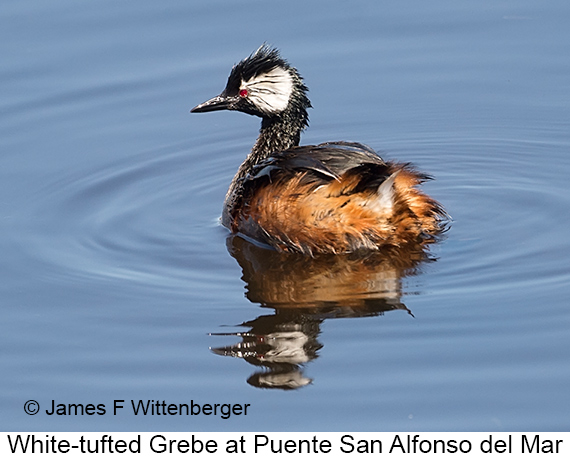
(118, 282)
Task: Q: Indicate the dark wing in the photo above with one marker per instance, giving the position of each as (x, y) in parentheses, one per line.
(321, 164)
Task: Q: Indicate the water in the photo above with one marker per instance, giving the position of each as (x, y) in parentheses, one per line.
(119, 283)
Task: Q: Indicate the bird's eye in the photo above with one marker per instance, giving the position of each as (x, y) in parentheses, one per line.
(243, 93)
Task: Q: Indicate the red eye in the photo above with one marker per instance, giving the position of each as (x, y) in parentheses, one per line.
(243, 93)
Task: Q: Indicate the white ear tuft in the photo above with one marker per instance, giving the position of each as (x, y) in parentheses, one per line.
(270, 92)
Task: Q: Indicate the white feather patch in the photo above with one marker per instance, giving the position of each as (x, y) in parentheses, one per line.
(271, 91)
(385, 202)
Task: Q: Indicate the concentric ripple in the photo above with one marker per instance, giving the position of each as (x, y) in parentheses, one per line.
(151, 218)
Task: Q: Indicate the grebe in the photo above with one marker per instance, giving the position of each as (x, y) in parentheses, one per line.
(336, 197)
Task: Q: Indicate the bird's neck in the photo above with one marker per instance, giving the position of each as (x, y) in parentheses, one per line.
(276, 134)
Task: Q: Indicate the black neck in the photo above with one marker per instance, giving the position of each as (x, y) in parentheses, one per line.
(276, 134)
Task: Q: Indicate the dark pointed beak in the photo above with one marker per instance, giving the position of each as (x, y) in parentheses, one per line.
(217, 103)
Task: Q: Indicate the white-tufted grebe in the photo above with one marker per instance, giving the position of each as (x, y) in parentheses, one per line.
(336, 197)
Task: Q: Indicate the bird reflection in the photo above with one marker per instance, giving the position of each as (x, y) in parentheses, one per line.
(303, 291)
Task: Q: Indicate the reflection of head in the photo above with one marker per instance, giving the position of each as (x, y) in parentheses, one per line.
(281, 343)
(278, 373)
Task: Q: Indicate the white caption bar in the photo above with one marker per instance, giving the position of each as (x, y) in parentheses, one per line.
(280, 443)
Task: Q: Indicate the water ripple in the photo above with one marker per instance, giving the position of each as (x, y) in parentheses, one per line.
(151, 218)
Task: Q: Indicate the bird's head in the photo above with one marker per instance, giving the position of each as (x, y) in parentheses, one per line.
(263, 84)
